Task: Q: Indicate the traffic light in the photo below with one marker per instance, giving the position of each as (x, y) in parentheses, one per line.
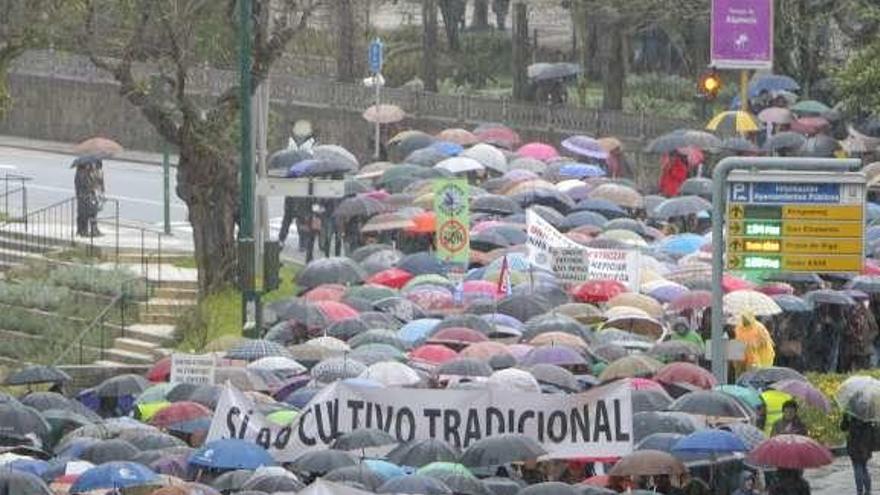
(710, 84)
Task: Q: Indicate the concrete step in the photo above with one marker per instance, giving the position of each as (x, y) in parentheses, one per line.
(159, 318)
(128, 357)
(177, 294)
(192, 285)
(168, 306)
(137, 257)
(158, 334)
(40, 233)
(135, 345)
(25, 245)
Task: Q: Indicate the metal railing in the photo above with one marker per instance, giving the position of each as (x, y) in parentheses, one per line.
(38, 232)
(14, 197)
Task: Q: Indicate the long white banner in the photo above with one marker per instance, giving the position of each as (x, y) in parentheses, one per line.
(596, 424)
(574, 263)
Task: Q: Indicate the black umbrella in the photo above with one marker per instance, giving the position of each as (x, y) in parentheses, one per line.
(400, 308)
(495, 204)
(650, 400)
(273, 483)
(422, 263)
(551, 215)
(503, 486)
(415, 484)
(37, 374)
(19, 419)
(683, 138)
(330, 271)
(762, 378)
(828, 296)
(231, 481)
(523, 306)
(552, 198)
(465, 320)
(784, 141)
(791, 304)
(465, 367)
(709, 403)
(739, 145)
(376, 319)
(543, 71)
(381, 260)
(359, 207)
(46, 400)
(502, 449)
(122, 385)
(363, 438)
(821, 146)
(361, 253)
(14, 482)
(794, 278)
(698, 186)
(869, 284)
(646, 423)
(488, 240)
(323, 461)
(604, 207)
(550, 374)
(145, 439)
(423, 452)
(426, 157)
(549, 488)
(108, 451)
(582, 218)
(284, 159)
(206, 395)
(346, 329)
(553, 322)
(358, 474)
(414, 141)
(460, 483)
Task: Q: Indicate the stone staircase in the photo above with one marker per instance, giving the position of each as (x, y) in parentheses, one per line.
(149, 340)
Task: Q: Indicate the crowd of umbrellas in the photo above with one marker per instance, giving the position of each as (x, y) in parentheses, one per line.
(389, 316)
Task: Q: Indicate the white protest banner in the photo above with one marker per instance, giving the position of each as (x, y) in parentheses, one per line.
(542, 239)
(575, 264)
(596, 424)
(193, 368)
(236, 416)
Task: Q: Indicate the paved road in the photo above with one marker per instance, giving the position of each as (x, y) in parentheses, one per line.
(137, 186)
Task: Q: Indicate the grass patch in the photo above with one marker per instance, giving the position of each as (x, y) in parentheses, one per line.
(188, 262)
(219, 314)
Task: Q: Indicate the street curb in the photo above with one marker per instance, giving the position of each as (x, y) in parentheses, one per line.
(143, 157)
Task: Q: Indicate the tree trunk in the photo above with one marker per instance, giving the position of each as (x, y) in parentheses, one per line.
(429, 44)
(345, 42)
(480, 19)
(613, 65)
(453, 17)
(207, 182)
(520, 58)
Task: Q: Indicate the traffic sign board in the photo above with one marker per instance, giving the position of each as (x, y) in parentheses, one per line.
(809, 221)
(376, 55)
(453, 236)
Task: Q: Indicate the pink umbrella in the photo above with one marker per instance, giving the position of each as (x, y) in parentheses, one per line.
(432, 354)
(519, 351)
(644, 384)
(480, 287)
(730, 283)
(325, 292)
(485, 350)
(698, 299)
(538, 151)
(775, 288)
(871, 268)
(688, 373)
(431, 297)
(805, 391)
(499, 136)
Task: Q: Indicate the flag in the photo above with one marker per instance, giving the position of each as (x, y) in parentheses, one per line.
(504, 278)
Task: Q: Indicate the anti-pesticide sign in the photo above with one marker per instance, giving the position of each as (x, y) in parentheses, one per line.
(574, 263)
(597, 423)
(193, 368)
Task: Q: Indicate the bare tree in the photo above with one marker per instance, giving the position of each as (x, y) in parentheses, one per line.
(168, 34)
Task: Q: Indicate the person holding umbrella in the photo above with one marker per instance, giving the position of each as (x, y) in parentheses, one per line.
(88, 183)
(673, 173)
(789, 482)
(790, 423)
(859, 447)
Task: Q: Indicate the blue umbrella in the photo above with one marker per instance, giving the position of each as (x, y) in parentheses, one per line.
(681, 244)
(385, 469)
(772, 82)
(417, 331)
(580, 170)
(585, 146)
(602, 206)
(33, 466)
(191, 426)
(873, 211)
(231, 453)
(749, 434)
(710, 442)
(447, 148)
(791, 304)
(301, 397)
(504, 320)
(113, 475)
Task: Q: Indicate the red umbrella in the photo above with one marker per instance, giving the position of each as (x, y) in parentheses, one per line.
(335, 310)
(457, 336)
(98, 146)
(161, 371)
(179, 412)
(485, 350)
(325, 292)
(871, 268)
(425, 223)
(688, 373)
(432, 354)
(500, 135)
(596, 291)
(775, 288)
(644, 384)
(431, 298)
(790, 452)
(538, 151)
(698, 299)
(730, 283)
(392, 277)
(810, 125)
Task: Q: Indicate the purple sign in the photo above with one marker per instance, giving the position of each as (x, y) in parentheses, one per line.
(742, 34)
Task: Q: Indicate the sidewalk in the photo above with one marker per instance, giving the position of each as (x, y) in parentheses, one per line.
(146, 157)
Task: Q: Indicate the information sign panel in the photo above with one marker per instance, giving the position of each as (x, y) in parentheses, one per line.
(451, 206)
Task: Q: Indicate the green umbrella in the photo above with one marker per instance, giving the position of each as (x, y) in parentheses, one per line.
(435, 468)
(370, 293)
(810, 107)
(746, 395)
(283, 417)
(427, 279)
(156, 393)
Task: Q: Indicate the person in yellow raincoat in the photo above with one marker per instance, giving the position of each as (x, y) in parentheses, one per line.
(759, 345)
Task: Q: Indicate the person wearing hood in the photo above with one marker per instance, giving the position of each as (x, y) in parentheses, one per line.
(681, 330)
(760, 351)
(747, 484)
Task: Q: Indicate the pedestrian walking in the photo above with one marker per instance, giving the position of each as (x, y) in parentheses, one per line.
(859, 447)
(789, 482)
(88, 182)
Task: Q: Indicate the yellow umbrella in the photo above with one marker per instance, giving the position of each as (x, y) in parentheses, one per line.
(734, 120)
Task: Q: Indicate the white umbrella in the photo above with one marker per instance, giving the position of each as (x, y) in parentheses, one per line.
(756, 303)
(330, 343)
(514, 380)
(460, 165)
(392, 374)
(278, 363)
(488, 155)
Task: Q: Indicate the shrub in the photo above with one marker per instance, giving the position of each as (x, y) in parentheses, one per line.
(34, 294)
(98, 280)
(826, 427)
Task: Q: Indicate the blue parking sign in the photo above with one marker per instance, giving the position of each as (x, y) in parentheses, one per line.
(376, 55)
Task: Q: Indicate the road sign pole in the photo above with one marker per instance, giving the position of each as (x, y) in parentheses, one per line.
(719, 183)
(377, 150)
(744, 91)
(166, 188)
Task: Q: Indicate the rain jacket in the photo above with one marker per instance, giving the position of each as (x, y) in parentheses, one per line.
(691, 336)
(759, 345)
(859, 438)
(742, 490)
(673, 175)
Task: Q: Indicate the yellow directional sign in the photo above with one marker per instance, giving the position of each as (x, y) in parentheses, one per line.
(823, 212)
(736, 211)
(822, 229)
(806, 262)
(794, 245)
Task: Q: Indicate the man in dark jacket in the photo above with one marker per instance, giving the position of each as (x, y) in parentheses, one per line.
(859, 446)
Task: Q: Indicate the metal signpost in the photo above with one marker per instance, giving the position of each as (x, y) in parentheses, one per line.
(376, 58)
(741, 38)
(778, 220)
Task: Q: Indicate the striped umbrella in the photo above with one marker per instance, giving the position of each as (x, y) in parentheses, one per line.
(735, 121)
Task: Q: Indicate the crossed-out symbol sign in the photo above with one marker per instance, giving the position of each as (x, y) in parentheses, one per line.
(452, 235)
